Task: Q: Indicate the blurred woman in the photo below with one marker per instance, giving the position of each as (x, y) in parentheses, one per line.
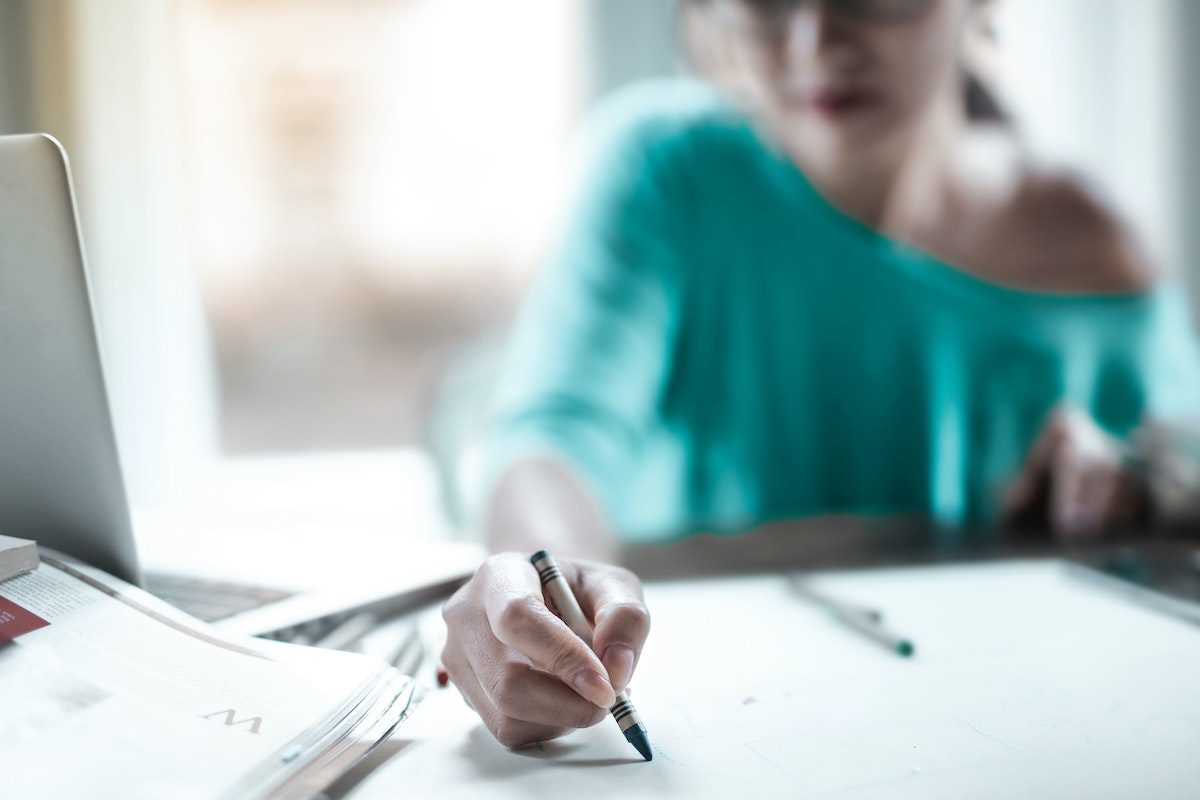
(826, 280)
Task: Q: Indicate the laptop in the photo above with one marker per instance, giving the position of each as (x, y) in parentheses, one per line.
(60, 474)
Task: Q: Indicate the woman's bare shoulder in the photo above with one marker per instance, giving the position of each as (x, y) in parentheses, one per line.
(1020, 223)
(1071, 236)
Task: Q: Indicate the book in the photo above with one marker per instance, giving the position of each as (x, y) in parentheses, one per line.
(115, 693)
(17, 556)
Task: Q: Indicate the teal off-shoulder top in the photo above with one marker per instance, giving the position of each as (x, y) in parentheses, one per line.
(713, 345)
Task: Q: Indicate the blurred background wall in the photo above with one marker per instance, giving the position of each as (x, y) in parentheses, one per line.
(301, 213)
(100, 77)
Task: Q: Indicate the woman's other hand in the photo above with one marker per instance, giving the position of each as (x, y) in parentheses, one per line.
(1074, 474)
(521, 668)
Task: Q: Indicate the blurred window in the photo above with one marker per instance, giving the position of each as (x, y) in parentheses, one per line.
(368, 182)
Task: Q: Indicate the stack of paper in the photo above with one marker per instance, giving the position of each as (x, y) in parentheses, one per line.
(16, 556)
(109, 692)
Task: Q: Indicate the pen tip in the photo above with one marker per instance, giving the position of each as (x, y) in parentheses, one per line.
(636, 736)
(905, 648)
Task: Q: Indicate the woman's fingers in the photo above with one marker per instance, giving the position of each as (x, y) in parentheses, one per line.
(612, 598)
(1074, 487)
(526, 674)
(509, 731)
(519, 618)
(1079, 468)
(519, 691)
(1101, 496)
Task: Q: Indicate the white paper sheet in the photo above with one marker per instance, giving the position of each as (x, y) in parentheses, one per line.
(1027, 683)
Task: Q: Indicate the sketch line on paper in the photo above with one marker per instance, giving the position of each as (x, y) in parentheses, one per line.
(662, 754)
(750, 746)
(1001, 742)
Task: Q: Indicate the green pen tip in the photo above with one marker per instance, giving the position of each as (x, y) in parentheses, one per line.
(636, 736)
(905, 648)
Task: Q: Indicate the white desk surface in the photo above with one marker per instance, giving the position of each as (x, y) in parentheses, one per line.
(1027, 683)
(292, 521)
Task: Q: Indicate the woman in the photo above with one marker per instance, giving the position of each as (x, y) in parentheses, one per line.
(824, 287)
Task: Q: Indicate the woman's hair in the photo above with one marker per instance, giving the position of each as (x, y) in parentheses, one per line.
(706, 50)
(981, 103)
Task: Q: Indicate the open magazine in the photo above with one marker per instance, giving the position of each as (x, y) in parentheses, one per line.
(106, 691)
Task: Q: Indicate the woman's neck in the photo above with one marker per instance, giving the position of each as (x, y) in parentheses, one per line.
(897, 185)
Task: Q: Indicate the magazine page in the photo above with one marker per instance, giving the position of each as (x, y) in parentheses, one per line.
(141, 700)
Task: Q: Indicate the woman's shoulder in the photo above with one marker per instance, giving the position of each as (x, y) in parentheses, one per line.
(1048, 228)
(1084, 239)
(1026, 224)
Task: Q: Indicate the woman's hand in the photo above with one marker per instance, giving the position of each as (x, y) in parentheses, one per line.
(521, 668)
(1074, 472)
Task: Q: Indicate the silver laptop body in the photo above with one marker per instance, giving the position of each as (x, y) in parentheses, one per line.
(60, 478)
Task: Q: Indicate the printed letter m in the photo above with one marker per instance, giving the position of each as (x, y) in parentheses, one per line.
(255, 722)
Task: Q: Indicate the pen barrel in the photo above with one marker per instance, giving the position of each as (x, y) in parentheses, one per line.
(555, 586)
(869, 626)
(624, 713)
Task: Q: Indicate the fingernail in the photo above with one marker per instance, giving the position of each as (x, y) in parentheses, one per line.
(594, 688)
(1074, 519)
(618, 660)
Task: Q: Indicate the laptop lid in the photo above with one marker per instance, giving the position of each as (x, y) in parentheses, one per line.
(60, 478)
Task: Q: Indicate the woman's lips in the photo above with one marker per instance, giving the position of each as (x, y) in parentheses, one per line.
(842, 102)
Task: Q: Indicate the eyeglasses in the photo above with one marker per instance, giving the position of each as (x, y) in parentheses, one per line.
(770, 16)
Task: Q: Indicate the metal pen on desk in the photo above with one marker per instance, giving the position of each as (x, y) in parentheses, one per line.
(867, 621)
(559, 591)
(408, 655)
(348, 632)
